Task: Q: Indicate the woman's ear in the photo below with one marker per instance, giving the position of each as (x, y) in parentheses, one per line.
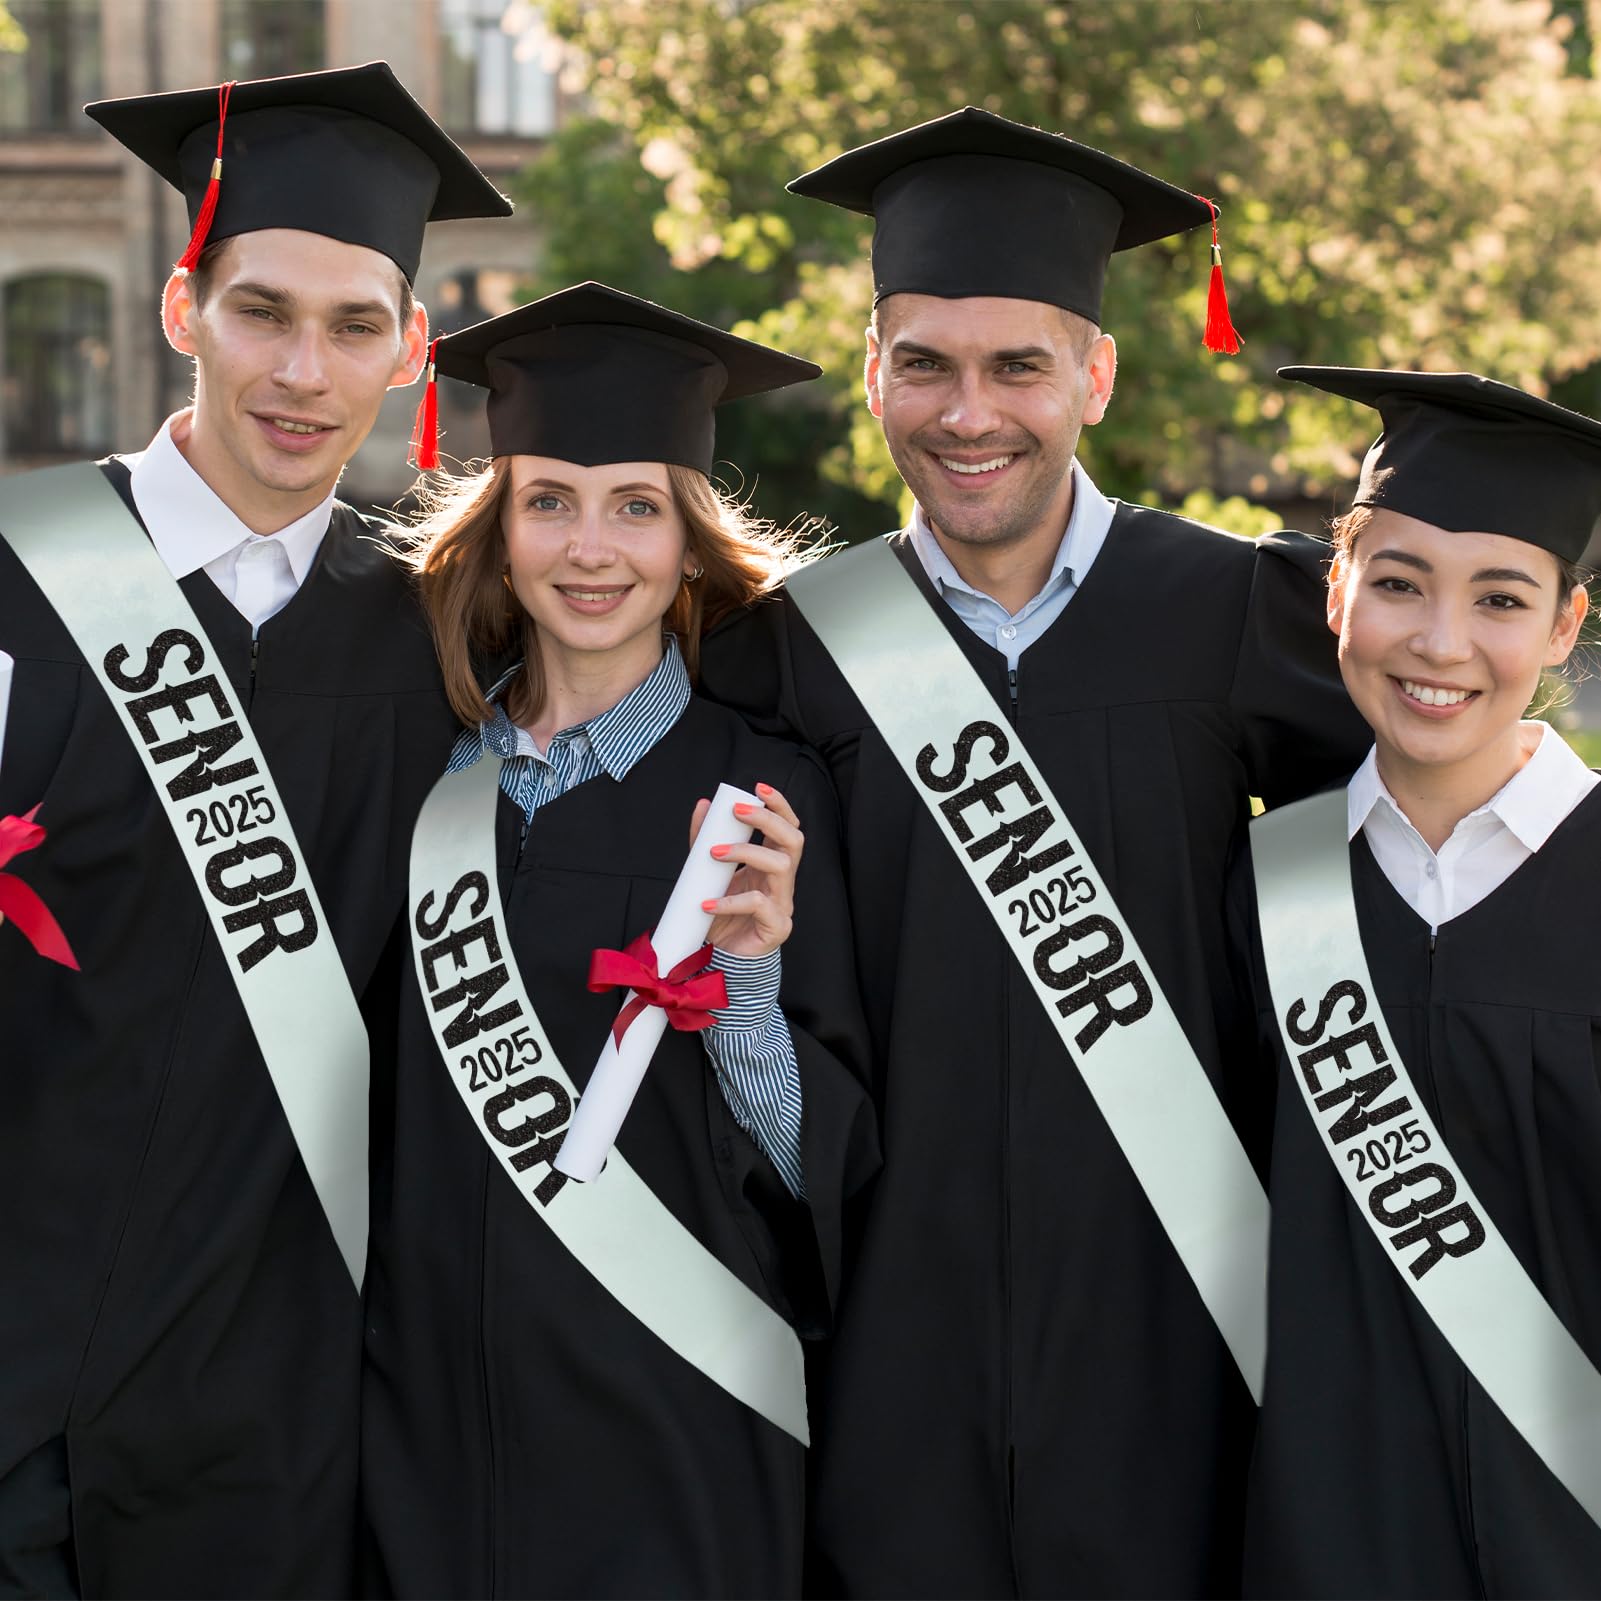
(1566, 633)
(1339, 574)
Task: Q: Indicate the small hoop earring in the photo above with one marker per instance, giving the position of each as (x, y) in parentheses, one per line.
(505, 578)
(700, 569)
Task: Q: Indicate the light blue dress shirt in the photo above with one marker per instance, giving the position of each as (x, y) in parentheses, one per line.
(1011, 633)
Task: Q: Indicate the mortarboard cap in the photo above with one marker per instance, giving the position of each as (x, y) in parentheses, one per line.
(347, 153)
(593, 375)
(974, 204)
(1472, 455)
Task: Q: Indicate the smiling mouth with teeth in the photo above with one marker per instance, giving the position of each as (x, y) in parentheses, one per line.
(298, 427)
(592, 594)
(970, 468)
(1428, 695)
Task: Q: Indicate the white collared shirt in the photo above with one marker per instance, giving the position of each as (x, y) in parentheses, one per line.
(1011, 633)
(193, 529)
(1486, 847)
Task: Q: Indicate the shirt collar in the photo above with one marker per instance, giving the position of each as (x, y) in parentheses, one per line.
(191, 525)
(1086, 528)
(1530, 804)
(619, 736)
(1544, 790)
(1364, 792)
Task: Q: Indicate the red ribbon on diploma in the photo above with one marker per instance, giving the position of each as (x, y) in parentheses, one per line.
(687, 995)
(20, 902)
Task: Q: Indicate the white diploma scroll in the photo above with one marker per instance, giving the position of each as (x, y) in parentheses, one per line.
(680, 933)
(6, 665)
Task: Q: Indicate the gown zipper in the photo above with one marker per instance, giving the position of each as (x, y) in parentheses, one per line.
(1008, 1310)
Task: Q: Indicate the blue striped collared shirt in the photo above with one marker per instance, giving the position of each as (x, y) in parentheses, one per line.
(749, 1045)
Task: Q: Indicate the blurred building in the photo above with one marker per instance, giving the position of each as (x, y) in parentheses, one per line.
(90, 234)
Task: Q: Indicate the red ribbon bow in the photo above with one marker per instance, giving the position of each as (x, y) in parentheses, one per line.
(20, 902)
(687, 995)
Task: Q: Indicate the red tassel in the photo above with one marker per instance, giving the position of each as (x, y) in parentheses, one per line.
(425, 429)
(190, 259)
(1220, 336)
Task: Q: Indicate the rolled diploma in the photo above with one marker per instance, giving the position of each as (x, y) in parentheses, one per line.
(6, 664)
(681, 931)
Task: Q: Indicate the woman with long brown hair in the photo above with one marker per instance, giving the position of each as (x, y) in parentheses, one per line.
(595, 1388)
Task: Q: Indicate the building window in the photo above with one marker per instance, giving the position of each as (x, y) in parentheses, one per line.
(43, 86)
(495, 68)
(57, 384)
(271, 38)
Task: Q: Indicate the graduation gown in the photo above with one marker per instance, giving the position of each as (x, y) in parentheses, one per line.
(524, 1434)
(1026, 1395)
(1383, 1469)
(175, 1306)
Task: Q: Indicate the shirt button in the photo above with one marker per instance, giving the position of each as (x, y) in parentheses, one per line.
(1008, 631)
(1432, 870)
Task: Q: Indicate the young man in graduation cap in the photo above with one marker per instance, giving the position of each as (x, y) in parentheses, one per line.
(220, 684)
(1045, 711)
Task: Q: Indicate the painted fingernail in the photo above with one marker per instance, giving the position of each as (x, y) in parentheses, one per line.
(764, 789)
(708, 906)
(741, 807)
(719, 850)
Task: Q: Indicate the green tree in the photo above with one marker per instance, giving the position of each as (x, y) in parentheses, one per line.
(1404, 183)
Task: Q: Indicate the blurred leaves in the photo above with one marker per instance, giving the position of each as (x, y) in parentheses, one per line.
(1404, 183)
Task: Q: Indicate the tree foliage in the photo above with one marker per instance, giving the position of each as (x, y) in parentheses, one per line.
(1404, 183)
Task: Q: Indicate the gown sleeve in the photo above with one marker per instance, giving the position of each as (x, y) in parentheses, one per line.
(839, 1143)
(1300, 730)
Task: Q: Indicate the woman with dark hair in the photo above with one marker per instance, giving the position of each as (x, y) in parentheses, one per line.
(1427, 975)
(596, 1388)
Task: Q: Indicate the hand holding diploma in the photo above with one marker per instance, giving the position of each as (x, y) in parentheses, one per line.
(756, 912)
(750, 917)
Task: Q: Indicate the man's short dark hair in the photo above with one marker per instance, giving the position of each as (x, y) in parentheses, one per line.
(200, 278)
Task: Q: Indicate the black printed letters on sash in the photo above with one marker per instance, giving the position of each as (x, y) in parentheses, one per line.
(180, 712)
(463, 971)
(1349, 1076)
(1076, 949)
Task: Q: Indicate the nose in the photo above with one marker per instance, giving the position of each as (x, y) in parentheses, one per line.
(1443, 638)
(970, 411)
(303, 362)
(591, 546)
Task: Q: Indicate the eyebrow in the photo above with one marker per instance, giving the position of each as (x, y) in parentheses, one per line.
(362, 308)
(273, 297)
(908, 347)
(616, 489)
(1485, 575)
(282, 297)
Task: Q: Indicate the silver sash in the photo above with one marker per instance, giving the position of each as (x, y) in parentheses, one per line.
(1407, 1187)
(1013, 840)
(520, 1100)
(143, 642)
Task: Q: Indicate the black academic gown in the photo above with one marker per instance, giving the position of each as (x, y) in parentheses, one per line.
(1026, 1395)
(1383, 1468)
(178, 1333)
(524, 1434)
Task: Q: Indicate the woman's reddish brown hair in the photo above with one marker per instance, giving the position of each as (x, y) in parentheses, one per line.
(458, 555)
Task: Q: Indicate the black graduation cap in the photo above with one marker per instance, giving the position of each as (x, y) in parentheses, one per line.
(974, 204)
(1471, 455)
(593, 375)
(347, 153)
